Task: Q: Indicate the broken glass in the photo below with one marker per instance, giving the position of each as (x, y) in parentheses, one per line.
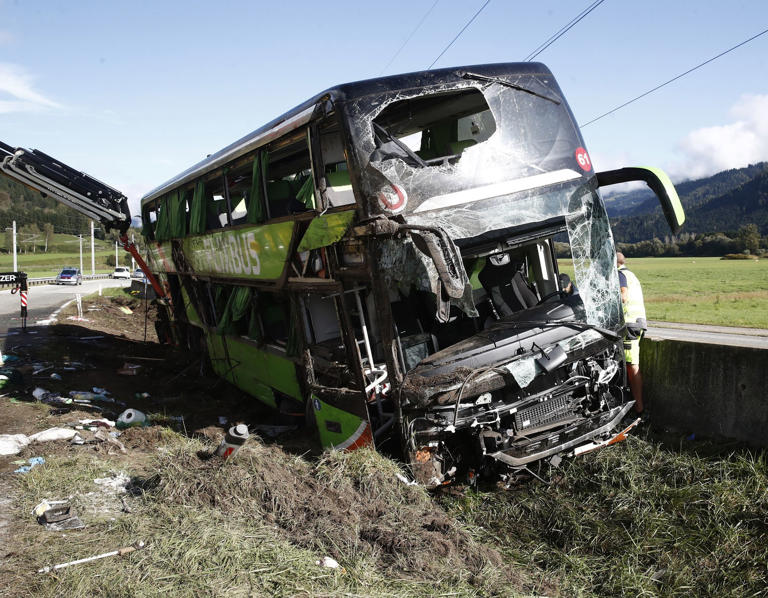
(517, 166)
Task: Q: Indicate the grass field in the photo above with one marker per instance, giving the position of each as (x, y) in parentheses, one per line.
(704, 290)
(38, 265)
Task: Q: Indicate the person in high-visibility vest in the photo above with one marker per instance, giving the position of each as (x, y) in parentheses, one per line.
(634, 318)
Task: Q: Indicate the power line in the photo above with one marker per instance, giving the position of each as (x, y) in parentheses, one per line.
(405, 43)
(698, 66)
(563, 30)
(487, 2)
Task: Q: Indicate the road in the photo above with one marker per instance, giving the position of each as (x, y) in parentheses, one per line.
(755, 338)
(44, 299)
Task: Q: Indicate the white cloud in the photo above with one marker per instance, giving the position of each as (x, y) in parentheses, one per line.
(17, 93)
(712, 149)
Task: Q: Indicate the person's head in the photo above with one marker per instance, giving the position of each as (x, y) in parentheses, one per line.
(619, 258)
(565, 283)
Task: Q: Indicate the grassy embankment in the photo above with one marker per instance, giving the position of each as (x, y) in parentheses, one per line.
(636, 519)
(704, 290)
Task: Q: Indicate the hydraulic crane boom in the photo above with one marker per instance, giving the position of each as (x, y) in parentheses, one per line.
(75, 189)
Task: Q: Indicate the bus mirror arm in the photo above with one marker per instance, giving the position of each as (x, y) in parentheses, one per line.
(659, 183)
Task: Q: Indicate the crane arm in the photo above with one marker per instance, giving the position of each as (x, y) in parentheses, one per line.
(81, 192)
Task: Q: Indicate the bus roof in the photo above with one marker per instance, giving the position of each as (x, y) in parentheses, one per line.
(301, 114)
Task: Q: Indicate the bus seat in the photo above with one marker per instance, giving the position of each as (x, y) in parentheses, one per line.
(507, 287)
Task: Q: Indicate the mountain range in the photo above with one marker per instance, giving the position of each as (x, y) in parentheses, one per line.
(723, 202)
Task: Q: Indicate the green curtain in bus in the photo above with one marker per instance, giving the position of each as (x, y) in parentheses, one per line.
(197, 210)
(163, 229)
(256, 197)
(306, 194)
(237, 306)
(177, 221)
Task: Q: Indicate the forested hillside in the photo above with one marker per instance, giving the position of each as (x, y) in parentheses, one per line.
(37, 218)
(722, 203)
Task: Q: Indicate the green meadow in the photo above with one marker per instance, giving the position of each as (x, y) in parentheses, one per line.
(64, 250)
(702, 290)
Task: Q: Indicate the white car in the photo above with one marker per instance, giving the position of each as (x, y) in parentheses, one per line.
(121, 272)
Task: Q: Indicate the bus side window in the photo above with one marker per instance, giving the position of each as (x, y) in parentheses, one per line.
(338, 189)
(290, 188)
(148, 221)
(216, 212)
(274, 312)
(238, 184)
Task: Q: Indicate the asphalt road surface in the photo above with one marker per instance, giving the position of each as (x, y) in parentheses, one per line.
(42, 300)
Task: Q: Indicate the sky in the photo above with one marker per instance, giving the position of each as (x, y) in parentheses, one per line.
(135, 92)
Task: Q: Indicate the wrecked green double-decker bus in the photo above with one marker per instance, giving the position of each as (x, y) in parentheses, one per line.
(382, 257)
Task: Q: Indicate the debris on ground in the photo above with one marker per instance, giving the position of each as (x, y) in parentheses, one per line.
(233, 440)
(57, 515)
(10, 377)
(329, 562)
(33, 462)
(120, 552)
(115, 483)
(130, 418)
(129, 369)
(11, 444)
(53, 434)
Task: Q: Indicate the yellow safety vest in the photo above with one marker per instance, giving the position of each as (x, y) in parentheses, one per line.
(634, 308)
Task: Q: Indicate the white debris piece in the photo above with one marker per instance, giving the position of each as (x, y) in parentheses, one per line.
(11, 444)
(53, 434)
(329, 562)
(115, 483)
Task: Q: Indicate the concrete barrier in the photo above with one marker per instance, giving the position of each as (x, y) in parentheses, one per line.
(709, 390)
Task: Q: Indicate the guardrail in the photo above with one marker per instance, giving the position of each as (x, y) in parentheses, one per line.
(52, 280)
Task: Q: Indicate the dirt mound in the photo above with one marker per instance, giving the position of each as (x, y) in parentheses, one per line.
(345, 505)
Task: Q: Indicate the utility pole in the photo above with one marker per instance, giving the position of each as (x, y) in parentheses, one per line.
(116, 262)
(15, 264)
(81, 255)
(93, 253)
(133, 260)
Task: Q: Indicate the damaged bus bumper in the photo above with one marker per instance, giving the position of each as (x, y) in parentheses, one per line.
(537, 393)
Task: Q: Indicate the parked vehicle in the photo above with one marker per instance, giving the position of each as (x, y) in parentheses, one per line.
(138, 273)
(121, 272)
(70, 276)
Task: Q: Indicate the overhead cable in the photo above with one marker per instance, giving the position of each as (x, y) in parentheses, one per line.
(698, 66)
(487, 2)
(563, 30)
(405, 43)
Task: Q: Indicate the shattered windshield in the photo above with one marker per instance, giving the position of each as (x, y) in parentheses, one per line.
(446, 148)
(479, 160)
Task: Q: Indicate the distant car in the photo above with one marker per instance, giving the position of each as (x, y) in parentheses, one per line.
(138, 273)
(70, 276)
(121, 272)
